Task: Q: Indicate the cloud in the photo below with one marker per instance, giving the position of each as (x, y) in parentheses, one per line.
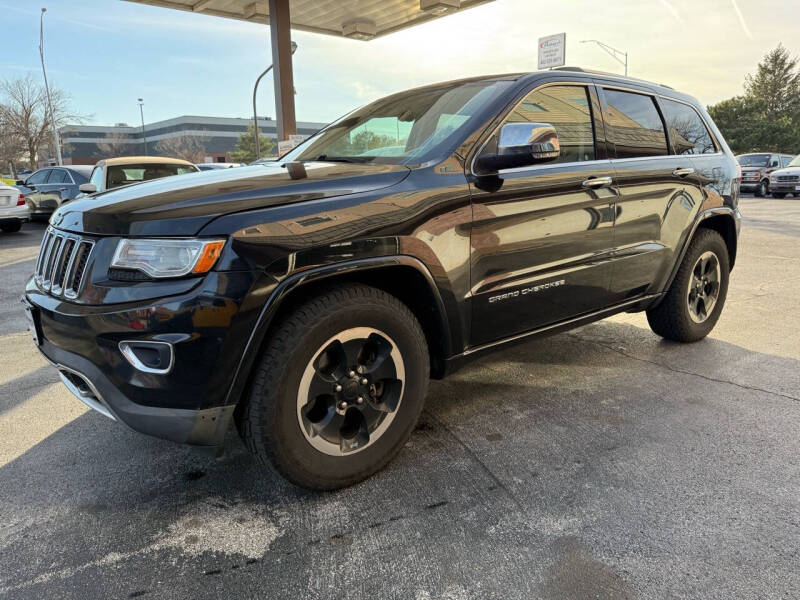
(742, 22)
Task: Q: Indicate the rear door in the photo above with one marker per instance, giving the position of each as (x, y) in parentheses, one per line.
(542, 241)
(659, 192)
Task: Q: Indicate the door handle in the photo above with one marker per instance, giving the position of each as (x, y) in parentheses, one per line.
(683, 172)
(597, 182)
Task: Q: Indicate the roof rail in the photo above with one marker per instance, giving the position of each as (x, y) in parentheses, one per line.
(606, 73)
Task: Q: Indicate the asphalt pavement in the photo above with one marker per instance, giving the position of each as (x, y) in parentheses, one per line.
(600, 463)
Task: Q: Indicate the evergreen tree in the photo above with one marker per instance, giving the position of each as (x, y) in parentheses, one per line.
(246, 146)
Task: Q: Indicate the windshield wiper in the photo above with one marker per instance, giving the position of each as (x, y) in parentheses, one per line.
(344, 159)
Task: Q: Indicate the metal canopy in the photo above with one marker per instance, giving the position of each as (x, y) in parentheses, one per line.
(355, 19)
(358, 19)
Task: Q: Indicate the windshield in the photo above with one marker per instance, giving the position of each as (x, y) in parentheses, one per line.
(405, 128)
(753, 160)
(119, 175)
(795, 162)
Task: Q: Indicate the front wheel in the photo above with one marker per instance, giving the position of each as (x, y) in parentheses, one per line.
(339, 388)
(694, 301)
(762, 191)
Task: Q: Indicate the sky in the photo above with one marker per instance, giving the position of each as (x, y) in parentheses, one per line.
(107, 53)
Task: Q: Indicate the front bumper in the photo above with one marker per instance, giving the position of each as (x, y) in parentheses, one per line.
(785, 187)
(749, 186)
(188, 404)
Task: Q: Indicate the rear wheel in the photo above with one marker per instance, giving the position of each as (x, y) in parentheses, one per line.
(763, 189)
(695, 299)
(339, 388)
(11, 226)
(779, 195)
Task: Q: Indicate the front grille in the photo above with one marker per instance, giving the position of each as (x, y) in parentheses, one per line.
(61, 266)
(788, 178)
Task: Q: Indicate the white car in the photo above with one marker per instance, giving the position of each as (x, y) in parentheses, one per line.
(13, 209)
(786, 181)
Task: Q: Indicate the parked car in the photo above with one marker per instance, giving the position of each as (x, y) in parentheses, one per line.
(212, 166)
(756, 169)
(309, 300)
(24, 172)
(13, 209)
(786, 181)
(112, 173)
(46, 189)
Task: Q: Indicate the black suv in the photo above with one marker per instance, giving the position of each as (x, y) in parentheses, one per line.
(309, 300)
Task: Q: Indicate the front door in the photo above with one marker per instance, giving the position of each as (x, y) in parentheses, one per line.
(541, 243)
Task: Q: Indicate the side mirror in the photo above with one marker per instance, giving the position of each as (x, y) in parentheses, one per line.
(87, 188)
(521, 145)
(20, 182)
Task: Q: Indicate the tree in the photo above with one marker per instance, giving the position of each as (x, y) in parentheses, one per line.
(246, 146)
(766, 117)
(11, 150)
(24, 113)
(776, 84)
(187, 147)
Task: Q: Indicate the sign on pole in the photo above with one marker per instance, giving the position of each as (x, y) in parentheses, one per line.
(552, 51)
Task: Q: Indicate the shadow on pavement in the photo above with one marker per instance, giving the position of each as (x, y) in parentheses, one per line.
(584, 465)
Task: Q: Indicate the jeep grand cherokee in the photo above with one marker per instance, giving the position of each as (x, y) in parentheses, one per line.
(309, 300)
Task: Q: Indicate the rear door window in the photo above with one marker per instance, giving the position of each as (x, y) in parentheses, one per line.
(57, 176)
(687, 132)
(634, 125)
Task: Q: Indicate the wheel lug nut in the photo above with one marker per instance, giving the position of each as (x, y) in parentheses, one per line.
(364, 381)
(360, 400)
(351, 374)
(342, 405)
(338, 387)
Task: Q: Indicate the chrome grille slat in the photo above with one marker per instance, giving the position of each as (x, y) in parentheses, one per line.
(62, 263)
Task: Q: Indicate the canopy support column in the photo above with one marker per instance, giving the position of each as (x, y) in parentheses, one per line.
(279, 25)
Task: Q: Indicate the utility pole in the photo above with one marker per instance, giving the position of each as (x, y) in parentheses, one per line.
(141, 114)
(615, 54)
(255, 110)
(47, 90)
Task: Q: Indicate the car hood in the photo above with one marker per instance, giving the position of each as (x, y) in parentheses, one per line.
(786, 171)
(182, 204)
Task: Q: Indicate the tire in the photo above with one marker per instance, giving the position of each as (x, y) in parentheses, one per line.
(778, 195)
(275, 423)
(762, 190)
(673, 317)
(11, 226)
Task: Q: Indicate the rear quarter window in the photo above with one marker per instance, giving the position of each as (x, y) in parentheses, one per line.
(687, 131)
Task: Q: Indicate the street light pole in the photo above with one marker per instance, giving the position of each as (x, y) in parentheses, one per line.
(141, 114)
(47, 89)
(615, 54)
(255, 110)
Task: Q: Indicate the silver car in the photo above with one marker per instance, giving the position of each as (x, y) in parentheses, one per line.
(13, 209)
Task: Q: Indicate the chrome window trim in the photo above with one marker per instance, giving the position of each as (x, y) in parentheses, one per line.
(584, 84)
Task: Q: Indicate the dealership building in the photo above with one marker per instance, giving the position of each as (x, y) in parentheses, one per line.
(86, 144)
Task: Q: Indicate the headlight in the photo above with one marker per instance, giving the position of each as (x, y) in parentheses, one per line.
(167, 257)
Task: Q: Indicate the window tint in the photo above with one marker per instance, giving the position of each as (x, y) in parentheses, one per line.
(39, 176)
(566, 107)
(634, 125)
(57, 176)
(687, 132)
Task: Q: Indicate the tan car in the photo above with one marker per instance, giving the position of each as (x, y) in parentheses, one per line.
(117, 172)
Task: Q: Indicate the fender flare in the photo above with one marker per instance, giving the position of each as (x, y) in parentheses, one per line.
(296, 280)
(702, 216)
